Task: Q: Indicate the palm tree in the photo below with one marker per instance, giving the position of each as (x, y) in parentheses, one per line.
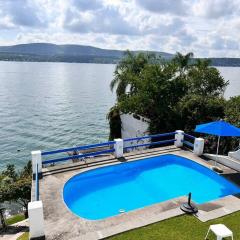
(183, 62)
(127, 69)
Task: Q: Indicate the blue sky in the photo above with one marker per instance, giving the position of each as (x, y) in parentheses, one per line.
(205, 27)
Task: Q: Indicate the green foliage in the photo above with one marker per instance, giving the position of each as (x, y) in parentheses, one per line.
(195, 109)
(232, 115)
(10, 172)
(114, 123)
(129, 69)
(16, 186)
(205, 80)
(177, 94)
(232, 111)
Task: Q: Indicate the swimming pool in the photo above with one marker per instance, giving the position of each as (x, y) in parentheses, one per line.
(108, 191)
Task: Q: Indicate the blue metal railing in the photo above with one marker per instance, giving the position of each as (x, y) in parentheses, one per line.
(79, 148)
(149, 136)
(188, 144)
(150, 144)
(111, 150)
(188, 136)
(92, 154)
(36, 184)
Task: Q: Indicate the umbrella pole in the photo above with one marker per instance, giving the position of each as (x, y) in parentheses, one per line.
(217, 148)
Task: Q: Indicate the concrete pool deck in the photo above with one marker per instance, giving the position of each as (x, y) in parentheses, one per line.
(61, 223)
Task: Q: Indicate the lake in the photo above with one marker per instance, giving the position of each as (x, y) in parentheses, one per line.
(46, 106)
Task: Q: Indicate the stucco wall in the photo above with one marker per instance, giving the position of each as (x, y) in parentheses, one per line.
(133, 127)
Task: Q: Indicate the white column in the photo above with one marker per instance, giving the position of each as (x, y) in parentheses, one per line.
(118, 147)
(36, 220)
(36, 159)
(198, 146)
(179, 138)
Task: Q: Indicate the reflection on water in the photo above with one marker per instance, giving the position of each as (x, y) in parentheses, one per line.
(52, 105)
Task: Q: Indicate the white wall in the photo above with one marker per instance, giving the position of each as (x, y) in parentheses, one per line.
(132, 127)
(225, 160)
(235, 154)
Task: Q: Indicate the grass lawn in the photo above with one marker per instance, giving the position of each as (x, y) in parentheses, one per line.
(15, 219)
(25, 236)
(183, 228)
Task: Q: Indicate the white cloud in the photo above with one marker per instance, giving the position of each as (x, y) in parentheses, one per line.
(177, 7)
(208, 28)
(87, 5)
(104, 20)
(215, 8)
(21, 13)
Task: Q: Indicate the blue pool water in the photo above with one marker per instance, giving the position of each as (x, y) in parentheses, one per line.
(102, 192)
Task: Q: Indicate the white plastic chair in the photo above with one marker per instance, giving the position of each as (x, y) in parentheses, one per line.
(221, 231)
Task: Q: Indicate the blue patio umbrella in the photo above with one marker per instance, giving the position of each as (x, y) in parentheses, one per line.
(219, 128)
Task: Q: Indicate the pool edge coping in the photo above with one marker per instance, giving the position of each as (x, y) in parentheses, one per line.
(228, 205)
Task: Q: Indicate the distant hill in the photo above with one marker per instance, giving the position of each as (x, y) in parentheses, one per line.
(46, 52)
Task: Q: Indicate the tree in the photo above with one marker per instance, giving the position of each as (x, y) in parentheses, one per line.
(128, 69)
(114, 123)
(205, 80)
(183, 62)
(232, 115)
(158, 91)
(10, 172)
(232, 111)
(177, 94)
(16, 186)
(195, 109)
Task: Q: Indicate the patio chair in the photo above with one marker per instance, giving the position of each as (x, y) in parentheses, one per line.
(221, 231)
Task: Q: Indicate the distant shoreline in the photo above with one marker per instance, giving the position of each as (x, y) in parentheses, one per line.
(69, 53)
(57, 62)
(99, 62)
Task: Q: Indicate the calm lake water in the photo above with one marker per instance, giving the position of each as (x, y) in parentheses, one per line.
(52, 105)
(55, 105)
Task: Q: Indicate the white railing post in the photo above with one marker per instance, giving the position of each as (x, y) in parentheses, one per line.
(36, 159)
(198, 146)
(36, 220)
(179, 138)
(118, 147)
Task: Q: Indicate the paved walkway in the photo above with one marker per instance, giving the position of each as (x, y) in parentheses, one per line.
(15, 230)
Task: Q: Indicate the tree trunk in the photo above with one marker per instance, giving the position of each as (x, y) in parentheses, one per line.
(2, 220)
(26, 211)
(26, 214)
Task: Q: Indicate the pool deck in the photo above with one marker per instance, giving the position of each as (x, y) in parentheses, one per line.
(60, 223)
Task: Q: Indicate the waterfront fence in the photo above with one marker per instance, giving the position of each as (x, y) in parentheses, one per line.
(117, 148)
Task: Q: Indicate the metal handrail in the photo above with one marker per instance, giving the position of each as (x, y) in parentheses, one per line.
(111, 150)
(79, 148)
(189, 136)
(78, 156)
(188, 143)
(149, 144)
(148, 136)
(36, 184)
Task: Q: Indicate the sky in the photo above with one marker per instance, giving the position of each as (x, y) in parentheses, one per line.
(208, 28)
